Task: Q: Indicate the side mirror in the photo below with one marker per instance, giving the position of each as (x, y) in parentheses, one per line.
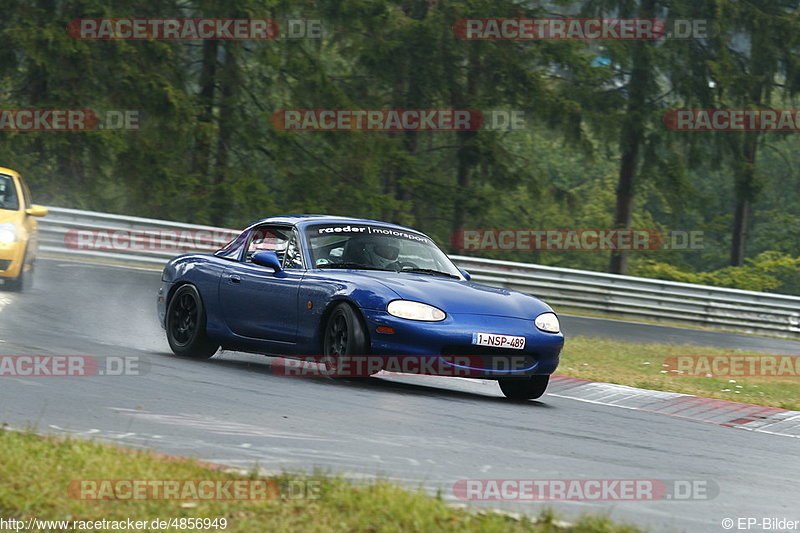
(268, 258)
(37, 211)
(465, 274)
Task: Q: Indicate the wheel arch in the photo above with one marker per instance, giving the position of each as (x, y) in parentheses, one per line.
(332, 304)
(174, 289)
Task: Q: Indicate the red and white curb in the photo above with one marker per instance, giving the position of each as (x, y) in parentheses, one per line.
(757, 418)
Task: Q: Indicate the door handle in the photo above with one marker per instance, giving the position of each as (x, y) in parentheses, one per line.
(235, 279)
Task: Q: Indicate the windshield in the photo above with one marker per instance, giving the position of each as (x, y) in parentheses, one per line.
(376, 248)
(8, 193)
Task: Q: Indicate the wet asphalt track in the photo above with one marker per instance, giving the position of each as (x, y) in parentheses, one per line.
(419, 431)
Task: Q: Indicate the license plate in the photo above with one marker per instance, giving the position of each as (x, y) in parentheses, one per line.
(498, 341)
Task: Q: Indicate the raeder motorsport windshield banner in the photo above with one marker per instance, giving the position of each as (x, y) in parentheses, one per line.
(351, 229)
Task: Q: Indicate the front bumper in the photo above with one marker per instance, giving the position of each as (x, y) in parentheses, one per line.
(449, 344)
(11, 259)
(161, 302)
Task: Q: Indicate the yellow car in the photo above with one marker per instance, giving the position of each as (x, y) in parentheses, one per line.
(18, 230)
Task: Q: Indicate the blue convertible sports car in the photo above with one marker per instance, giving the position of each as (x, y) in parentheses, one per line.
(336, 287)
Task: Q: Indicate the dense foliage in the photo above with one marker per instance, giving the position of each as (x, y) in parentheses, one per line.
(595, 152)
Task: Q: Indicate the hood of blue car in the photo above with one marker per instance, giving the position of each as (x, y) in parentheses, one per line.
(455, 296)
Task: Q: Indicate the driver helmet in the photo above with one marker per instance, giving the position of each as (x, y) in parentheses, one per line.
(380, 253)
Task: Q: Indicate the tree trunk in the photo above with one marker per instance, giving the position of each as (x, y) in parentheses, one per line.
(229, 90)
(739, 237)
(747, 188)
(633, 131)
(463, 183)
(623, 212)
(465, 140)
(201, 160)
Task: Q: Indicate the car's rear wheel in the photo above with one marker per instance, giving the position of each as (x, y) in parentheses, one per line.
(528, 388)
(186, 325)
(344, 335)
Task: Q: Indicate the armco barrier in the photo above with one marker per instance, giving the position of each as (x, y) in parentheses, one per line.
(644, 298)
(641, 298)
(60, 222)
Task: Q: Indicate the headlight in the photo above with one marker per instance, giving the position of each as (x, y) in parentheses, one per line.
(8, 233)
(548, 322)
(415, 311)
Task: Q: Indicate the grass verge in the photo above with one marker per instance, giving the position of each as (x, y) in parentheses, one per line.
(35, 474)
(642, 365)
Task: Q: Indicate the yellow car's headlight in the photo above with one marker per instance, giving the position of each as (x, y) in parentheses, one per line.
(415, 311)
(8, 233)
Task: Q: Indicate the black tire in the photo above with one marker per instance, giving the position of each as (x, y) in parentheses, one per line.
(528, 388)
(186, 325)
(15, 284)
(22, 281)
(343, 335)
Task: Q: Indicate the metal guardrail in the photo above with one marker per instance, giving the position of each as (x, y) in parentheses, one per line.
(645, 299)
(120, 238)
(71, 232)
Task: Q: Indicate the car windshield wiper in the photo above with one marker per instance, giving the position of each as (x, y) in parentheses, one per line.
(351, 265)
(429, 271)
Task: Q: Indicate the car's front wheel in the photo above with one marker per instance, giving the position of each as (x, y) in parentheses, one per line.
(528, 388)
(186, 325)
(16, 284)
(22, 281)
(344, 335)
